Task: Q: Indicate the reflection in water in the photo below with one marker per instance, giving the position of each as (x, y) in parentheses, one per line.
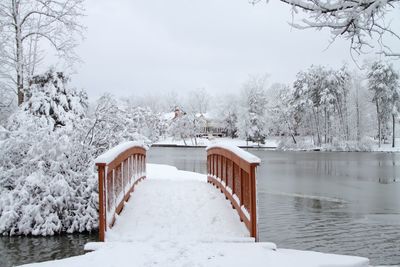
(17, 250)
(387, 180)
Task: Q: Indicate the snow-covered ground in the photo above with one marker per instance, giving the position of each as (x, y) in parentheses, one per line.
(175, 218)
(174, 254)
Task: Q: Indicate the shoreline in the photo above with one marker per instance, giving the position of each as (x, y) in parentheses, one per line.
(270, 148)
(204, 146)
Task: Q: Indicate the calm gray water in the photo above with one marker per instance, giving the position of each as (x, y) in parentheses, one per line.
(21, 249)
(347, 203)
(337, 202)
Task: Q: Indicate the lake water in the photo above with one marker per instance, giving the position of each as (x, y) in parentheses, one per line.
(21, 249)
(337, 202)
(347, 203)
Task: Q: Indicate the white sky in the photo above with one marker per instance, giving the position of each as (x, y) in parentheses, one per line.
(145, 47)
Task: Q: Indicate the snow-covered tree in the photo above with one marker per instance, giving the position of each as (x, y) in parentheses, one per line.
(198, 101)
(383, 81)
(252, 121)
(281, 112)
(320, 103)
(362, 112)
(27, 24)
(144, 121)
(185, 127)
(227, 111)
(112, 122)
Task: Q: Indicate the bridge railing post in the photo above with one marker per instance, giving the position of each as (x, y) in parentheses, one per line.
(102, 202)
(233, 171)
(253, 213)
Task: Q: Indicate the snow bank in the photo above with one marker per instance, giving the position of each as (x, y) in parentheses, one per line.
(114, 152)
(250, 158)
(203, 254)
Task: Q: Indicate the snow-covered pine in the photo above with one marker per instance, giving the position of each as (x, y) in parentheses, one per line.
(49, 97)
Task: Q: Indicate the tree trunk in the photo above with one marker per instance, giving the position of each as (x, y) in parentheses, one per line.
(393, 135)
(294, 139)
(326, 127)
(184, 141)
(317, 126)
(358, 119)
(379, 123)
(18, 51)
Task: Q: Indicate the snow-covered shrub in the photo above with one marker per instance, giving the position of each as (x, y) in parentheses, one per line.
(302, 144)
(48, 182)
(306, 144)
(47, 179)
(364, 145)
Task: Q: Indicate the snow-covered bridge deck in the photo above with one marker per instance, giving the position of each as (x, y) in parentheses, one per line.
(176, 218)
(172, 205)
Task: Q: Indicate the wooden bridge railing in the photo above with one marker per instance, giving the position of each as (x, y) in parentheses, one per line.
(233, 171)
(119, 170)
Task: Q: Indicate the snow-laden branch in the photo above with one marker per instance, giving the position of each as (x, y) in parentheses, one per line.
(361, 22)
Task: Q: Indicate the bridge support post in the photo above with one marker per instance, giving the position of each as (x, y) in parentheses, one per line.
(102, 217)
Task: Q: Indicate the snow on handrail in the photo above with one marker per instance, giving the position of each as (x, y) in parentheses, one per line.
(250, 158)
(114, 152)
(233, 171)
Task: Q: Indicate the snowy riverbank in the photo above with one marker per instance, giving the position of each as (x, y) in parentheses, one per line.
(159, 242)
(204, 142)
(285, 144)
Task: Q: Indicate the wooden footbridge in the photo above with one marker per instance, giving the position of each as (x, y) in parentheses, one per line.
(156, 215)
(186, 206)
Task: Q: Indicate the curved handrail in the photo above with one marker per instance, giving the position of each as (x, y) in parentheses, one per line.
(233, 171)
(119, 170)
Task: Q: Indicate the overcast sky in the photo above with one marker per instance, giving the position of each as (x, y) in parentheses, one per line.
(146, 47)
